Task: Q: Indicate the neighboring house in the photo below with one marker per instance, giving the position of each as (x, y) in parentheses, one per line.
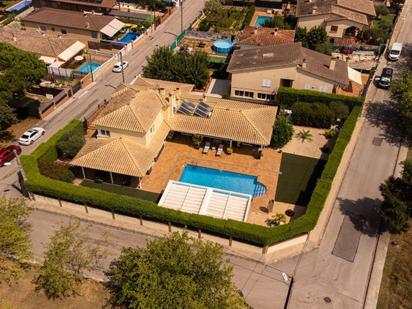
(262, 36)
(339, 17)
(46, 47)
(99, 6)
(132, 128)
(82, 26)
(257, 73)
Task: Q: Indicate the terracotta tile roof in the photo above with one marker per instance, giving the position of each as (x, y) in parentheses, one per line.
(103, 4)
(262, 36)
(157, 83)
(279, 56)
(120, 155)
(348, 14)
(131, 109)
(319, 7)
(232, 120)
(69, 19)
(362, 6)
(35, 42)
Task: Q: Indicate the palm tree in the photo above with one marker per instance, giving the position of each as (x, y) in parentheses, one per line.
(304, 135)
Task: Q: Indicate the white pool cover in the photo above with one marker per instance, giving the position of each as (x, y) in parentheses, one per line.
(206, 201)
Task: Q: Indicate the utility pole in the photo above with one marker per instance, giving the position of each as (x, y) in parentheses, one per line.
(181, 16)
(90, 66)
(121, 63)
(20, 174)
(154, 15)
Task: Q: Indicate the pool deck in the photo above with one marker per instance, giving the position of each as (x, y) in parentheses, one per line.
(180, 151)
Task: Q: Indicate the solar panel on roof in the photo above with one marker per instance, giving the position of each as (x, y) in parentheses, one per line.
(203, 110)
(187, 108)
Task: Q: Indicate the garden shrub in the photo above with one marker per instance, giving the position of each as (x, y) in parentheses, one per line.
(249, 16)
(288, 96)
(315, 115)
(282, 132)
(70, 144)
(56, 170)
(136, 207)
(340, 110)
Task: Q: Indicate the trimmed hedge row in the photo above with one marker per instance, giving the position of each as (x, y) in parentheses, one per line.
(289, 96)
(131, 206)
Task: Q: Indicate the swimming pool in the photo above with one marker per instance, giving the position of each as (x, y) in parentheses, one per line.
(128, 37)
(85, 68)
(224, 180)
(261, 20)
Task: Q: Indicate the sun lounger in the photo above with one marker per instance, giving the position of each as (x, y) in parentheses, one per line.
(207, 147)
(219, 150)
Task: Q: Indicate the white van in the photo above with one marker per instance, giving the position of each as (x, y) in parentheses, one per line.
(395, 51)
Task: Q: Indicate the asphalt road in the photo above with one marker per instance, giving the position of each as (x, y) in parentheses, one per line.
(326, 277)
(86, 100)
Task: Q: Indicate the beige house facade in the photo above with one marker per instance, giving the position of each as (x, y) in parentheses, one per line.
(257, 74)
(339, 17)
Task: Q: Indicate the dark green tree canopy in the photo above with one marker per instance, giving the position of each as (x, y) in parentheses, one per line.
(180, 67)
(282, 132)
(401, 93)
(173, 272)
(396, 207)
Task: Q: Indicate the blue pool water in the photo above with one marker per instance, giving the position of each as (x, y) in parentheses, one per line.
(224, 180)
(85, 68)
(128, 37)
(223, 46)
(261, 20)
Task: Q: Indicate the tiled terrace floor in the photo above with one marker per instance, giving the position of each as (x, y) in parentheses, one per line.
(180, 151)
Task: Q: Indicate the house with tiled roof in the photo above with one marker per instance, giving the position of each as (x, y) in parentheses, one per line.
(257, 73)
(83, 26)
(339, 17)
(263, 36)
(132, 128)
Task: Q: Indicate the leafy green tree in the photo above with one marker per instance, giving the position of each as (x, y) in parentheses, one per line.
(340, 109)
(401, 94)
(300, 35)
(396, 207)
(316, 36)
(213, 7)
(179, 67)
(276, 22)
(282, 132)
(381, 10)
(7, 116)
(377, 35)
(15, 245)
(173, 272)
(70, 144)
(67, 257)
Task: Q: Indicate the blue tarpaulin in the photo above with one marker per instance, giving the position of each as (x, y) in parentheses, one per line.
(19, 6)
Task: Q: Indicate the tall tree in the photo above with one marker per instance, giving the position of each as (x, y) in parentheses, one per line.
(67, 257)
(173, 272)
(179, 67)
(15, 245)
(282, 132)
(396, 207)
(401, 93)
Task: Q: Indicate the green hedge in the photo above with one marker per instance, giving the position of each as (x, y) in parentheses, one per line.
(131, 206)
(249, 16)
(288, 96)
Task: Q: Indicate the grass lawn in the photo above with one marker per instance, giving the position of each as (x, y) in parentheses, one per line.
(396, 287)
(298, 178)
(150, 196)
(388, 18)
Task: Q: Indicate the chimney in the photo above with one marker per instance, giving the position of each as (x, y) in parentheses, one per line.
(313, 11)
(332, 64)
(14, 38)
(162, 91)
(255, 31)
(304, 63)
(87, 25)
(275, 31)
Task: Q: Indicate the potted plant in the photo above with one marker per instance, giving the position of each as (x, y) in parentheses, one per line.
(229, 150)
(197, 140)
(278, 219)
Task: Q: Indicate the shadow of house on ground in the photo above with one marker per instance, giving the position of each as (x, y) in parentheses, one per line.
(363, 214)
(385, 116)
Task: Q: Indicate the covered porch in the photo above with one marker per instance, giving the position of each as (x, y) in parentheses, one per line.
(101, 176)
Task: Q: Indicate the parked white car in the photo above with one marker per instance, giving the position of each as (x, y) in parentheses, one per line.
(117, 68)
(30, 136)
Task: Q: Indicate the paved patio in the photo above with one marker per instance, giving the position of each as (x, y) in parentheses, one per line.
(180, 151)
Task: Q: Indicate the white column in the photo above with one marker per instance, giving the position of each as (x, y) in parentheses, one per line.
(230, 143)
(83, 174)
(111, 177)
